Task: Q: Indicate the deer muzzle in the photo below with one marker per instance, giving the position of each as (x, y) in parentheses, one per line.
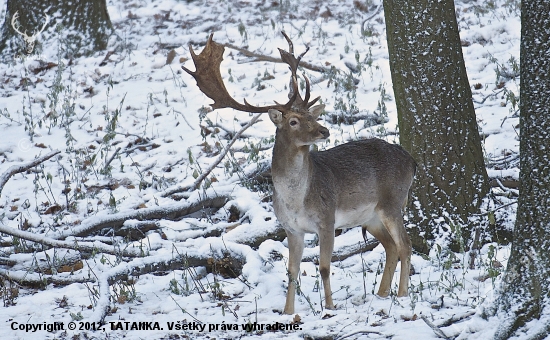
(323, 131)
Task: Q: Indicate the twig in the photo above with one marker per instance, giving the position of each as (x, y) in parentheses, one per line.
(15, 169)
(436, 329)
(488, 96)
(363, 32)
(357, 332)
(181, 113)
(139, 146)
(126, 134)
(207, 172)
(497, 208)
(184, 310)
(111, 159)
(81, 246)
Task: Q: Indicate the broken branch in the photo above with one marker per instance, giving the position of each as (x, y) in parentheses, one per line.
(116, 221)
(222, 155)
(16, 169)
(262, 57)
(80, 246)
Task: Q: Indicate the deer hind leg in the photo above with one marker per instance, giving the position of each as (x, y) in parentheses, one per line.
(295, 251)
(379, 231)
(393, 221)
(326, 246)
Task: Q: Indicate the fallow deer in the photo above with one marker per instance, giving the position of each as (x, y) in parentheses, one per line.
(363, 182)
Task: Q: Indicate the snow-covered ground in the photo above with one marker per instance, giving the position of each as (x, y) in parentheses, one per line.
(155, 114)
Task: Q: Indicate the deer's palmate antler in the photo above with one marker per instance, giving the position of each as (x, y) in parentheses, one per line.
(362, 183)
(210, 82)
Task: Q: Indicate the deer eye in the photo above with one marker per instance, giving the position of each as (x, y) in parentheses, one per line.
(293, 122)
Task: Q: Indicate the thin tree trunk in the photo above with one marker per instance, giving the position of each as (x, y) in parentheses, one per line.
(437, 122)
(84, 26)
(525, 291)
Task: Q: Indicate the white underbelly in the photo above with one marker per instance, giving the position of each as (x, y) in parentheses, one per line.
(360, 215)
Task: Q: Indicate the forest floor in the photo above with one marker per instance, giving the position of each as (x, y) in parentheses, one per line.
(132, 128)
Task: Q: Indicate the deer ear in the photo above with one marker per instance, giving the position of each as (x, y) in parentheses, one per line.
(276, 116)
(317, 110)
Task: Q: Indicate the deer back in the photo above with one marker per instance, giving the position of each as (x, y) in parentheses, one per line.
(369, 172)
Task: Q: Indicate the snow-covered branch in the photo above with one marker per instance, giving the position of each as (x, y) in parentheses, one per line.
(116, 221)
(81, 246)
(16, 169)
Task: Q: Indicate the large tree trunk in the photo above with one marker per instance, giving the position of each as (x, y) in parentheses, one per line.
(437, 122)
(84, 25)
(525, 291)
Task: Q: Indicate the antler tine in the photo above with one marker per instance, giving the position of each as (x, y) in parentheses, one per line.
(290, 44)
(308, 89)
(306, 98)
(293, 95)
(293, 62)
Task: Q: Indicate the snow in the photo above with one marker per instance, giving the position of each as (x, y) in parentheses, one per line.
(161, 104)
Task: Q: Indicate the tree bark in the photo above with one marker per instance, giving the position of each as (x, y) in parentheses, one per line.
(84, 26)
(525, 290)
(437, 122)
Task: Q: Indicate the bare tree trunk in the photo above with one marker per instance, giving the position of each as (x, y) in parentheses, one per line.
(525, 291)
(84, 26)
(437, 122)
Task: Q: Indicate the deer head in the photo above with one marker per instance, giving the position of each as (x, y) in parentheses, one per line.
(299, 128)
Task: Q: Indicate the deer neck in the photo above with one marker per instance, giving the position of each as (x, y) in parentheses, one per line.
(290, 165)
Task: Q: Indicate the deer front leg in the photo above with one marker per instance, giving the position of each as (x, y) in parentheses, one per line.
(326, 245)
(295, 251)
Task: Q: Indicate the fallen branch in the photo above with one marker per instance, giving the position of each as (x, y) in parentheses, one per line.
(7, 262)
(218, 160)
(230, 265)
(136, 230)
(348, 251)
(111, 159)
(40, 281)
(227, 266)
(454, 319)
(80, 246)
(504, 184)
(262, 57)
(436, 329)
(278, 234)
(116, 221)
(16, 169)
